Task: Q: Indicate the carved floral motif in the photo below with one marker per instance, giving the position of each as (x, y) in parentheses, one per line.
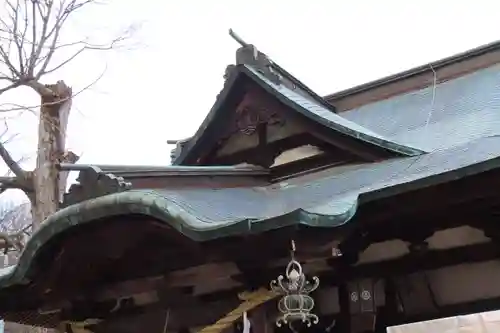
(256, 108)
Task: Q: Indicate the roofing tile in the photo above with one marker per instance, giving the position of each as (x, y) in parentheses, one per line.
(231, 205)
(449, 114)
(328, 201)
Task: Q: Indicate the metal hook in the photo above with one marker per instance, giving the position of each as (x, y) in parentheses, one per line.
(292, 250)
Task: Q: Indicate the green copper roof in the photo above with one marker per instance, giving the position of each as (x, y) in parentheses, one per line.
(168, 207)
(329, 199)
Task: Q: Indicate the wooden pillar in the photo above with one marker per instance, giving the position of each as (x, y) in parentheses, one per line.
(388, 314)
(344, 322)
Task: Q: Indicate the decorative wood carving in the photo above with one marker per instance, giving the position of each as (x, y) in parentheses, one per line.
(94, 183)
(256, 108)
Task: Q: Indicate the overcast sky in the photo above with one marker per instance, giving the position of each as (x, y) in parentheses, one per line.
(164, 82)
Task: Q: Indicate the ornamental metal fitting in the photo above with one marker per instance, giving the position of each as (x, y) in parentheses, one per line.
(296, 304)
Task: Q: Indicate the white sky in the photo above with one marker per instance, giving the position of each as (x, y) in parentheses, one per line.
(162, 86)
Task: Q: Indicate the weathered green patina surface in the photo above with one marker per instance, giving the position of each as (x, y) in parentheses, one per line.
(329, 200)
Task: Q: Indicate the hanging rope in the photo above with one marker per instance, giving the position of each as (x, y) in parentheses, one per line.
(251, 301)
(77, 326)
(167, 317)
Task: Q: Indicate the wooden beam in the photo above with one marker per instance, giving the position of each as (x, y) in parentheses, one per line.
(411, 263)
(451, 310)
(214, 306)
(468, 193)
(339, 273)
(309, 165)
(274, 149)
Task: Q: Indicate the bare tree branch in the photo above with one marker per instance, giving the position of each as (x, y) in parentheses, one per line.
(30, 38)
(37, 48)
(11, 241)
(9, 107)
(7, 158)
(7, 183)
(15, 224)
(11, 163)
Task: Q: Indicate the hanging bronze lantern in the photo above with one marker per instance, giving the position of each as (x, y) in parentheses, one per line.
(296, 304)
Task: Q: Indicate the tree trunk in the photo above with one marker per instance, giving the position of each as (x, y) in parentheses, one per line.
(48, 182)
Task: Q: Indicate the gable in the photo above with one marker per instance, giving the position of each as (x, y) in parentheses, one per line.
(261, 129)
(264, 112)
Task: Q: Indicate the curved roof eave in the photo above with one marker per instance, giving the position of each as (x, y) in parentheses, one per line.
(334, 205)
(156, 206)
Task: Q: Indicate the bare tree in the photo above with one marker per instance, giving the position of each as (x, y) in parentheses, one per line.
(15, 227)
(31, 47)
(15, 223)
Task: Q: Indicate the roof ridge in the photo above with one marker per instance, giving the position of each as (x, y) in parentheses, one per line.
(249, 55)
